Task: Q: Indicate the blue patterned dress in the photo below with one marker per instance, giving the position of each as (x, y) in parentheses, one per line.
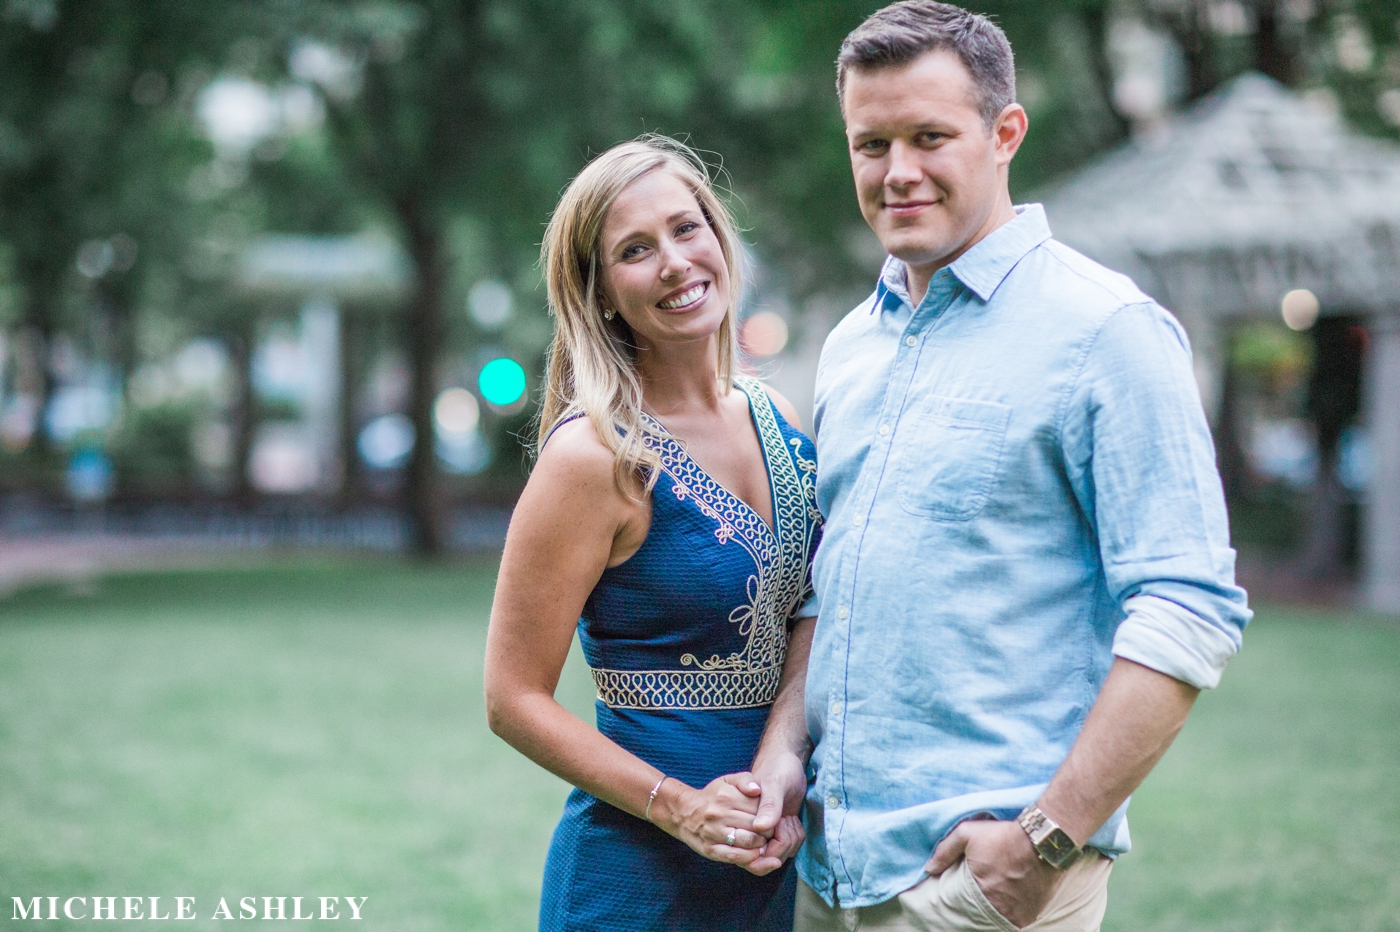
(686, 640)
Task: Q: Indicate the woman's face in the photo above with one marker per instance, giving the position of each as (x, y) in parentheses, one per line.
(663, 270)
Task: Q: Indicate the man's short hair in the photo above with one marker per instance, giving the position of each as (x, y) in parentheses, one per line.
(901, 32)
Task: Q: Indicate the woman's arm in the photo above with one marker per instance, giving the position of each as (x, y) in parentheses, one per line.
(573, 521)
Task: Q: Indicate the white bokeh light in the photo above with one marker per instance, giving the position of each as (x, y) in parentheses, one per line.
(338, 74)
(490, 303)
(456, 412)
(386, 441)
(1300, 309)
(237, 114)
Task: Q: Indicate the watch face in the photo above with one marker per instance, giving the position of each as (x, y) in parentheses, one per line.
(1051, 842)
(1058, 849)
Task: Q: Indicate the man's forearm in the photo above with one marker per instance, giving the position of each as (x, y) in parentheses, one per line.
(1134, 720)
(787, 720)
(780, 762)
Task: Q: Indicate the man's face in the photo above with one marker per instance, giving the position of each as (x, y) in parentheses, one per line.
(929, 172)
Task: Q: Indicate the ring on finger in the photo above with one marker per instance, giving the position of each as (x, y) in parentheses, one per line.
(729, 839)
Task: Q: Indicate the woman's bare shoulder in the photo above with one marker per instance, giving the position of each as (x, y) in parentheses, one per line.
(574, 454)
(785, 407)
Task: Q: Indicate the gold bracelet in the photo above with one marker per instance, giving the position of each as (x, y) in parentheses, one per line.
(652, 798)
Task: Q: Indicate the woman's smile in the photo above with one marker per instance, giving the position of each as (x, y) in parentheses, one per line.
(687, 299)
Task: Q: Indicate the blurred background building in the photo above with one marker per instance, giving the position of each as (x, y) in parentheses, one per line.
(268, 269)
(1257, 207)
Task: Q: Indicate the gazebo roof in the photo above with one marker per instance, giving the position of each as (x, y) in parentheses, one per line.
(367, 268)
(1250, 193)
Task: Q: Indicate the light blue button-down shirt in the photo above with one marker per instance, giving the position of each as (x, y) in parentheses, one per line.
(1019, 483)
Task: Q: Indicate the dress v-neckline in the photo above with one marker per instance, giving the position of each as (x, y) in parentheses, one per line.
(770, 526)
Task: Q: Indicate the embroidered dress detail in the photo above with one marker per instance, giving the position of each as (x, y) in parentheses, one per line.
(685, 689)
(777, 585)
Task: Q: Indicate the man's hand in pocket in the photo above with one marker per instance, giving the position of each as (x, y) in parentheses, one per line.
(1012, 876)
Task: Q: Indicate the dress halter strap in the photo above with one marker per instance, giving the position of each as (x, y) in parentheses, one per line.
(568, 416)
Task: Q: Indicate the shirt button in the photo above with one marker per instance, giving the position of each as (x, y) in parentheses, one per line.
(858, 520)
(843, 612)
(884, 430)
(833, 803)
(911, 340)
(836, 707)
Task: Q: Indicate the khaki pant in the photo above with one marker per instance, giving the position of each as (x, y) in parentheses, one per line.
(952, 902)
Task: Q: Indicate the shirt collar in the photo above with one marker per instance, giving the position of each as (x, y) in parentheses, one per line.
(982, 268)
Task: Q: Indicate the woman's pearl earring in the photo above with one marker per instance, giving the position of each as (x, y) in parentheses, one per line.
(607, 313)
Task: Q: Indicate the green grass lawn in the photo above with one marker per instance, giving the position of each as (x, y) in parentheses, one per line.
(316, 729)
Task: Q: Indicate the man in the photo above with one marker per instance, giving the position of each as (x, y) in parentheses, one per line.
(1026, 575)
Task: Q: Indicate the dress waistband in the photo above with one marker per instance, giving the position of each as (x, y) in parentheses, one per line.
(687, 689)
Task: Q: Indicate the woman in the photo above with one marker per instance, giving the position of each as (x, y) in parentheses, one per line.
(671, 519)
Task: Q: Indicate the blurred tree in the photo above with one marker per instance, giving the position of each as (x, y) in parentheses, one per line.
(1349, 46)
(447, 109)
(784, 134)
(444, 115)
(450, 108)
(1356, 52)
(95, 146)
(1334, 401)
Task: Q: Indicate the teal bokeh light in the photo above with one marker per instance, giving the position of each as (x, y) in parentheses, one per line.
(502, 381)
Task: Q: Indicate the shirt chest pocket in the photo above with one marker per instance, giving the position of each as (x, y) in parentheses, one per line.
(948, 452)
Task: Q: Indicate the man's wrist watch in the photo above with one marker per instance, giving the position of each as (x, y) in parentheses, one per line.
(1054, 846)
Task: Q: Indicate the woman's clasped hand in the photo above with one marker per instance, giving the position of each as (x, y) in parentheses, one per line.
(717, 821)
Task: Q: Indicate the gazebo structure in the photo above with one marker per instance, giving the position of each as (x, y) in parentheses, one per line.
(331, 282)
(1219, 212)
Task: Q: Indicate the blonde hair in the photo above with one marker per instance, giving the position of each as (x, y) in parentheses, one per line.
(592, 361)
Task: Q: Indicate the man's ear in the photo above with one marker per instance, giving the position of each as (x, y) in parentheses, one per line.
(1009, 131)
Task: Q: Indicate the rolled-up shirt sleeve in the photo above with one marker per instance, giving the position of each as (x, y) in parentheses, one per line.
(1142, 463)
(1171, 640)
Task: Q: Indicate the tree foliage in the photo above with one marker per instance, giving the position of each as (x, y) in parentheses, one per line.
(455, 124)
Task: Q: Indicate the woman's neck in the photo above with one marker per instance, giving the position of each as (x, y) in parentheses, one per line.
(680, 377)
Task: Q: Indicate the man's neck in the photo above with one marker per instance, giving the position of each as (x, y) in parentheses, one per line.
(917, 277)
